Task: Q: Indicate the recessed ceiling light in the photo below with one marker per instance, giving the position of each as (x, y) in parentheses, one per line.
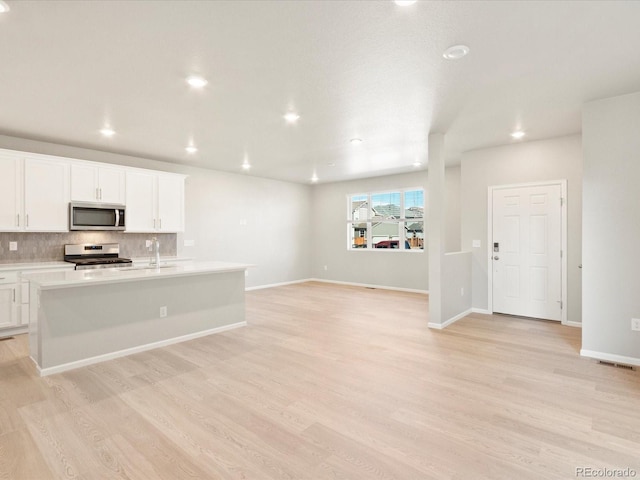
(355, 141)
(417, 164)
(518, 134)
(108, 132)
(191, 149)
(291, 117)
(405, 3)
(246, 165)
(456, 52)
(196, 81)
(4, 8)
(314, 179)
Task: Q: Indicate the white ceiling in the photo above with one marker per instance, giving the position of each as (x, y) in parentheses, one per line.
(367, 69)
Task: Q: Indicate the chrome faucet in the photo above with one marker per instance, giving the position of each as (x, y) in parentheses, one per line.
(155, 251)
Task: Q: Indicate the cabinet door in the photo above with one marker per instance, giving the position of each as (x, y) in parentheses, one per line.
(46, 195)
(170, 203)
(111, 186)
(10, 193)
(8, 306)
(84, 183)
(141, 202)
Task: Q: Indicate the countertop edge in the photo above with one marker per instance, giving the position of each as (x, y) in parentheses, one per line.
(134, 276)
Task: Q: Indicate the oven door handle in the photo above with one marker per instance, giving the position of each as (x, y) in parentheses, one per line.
(117, 218)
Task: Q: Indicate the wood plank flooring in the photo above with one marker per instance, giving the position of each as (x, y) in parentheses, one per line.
(327, 382)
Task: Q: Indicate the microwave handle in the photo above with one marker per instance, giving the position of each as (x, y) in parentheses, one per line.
(117, 217)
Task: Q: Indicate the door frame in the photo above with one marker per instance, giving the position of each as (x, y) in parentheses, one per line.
(563, 232)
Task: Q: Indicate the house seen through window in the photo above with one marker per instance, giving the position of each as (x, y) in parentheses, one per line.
(386, 220)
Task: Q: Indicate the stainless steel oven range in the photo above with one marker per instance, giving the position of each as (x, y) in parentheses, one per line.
(89, 255)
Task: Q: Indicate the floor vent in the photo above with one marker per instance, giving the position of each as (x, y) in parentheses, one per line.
(617, 365)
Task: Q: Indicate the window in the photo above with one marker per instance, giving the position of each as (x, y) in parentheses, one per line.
(386, 220)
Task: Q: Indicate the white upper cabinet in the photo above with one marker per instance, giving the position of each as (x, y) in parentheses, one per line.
(34, 194)
(10, 193)
(35, 191)
(170, 203)
(155, 202)
(46, 195)
(140, 202)
(91, 183)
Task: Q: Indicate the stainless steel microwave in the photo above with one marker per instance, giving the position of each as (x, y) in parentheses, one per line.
(96, 216)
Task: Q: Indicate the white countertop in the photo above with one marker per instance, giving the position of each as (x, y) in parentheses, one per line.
(78, 278)
(22, 267)
(5, 267)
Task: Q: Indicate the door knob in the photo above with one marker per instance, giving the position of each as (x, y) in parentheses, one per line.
(496, 258)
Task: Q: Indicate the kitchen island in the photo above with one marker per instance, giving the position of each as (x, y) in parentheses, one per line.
(83, 317)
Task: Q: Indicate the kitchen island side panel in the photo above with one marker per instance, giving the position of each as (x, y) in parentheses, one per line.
(78, 323)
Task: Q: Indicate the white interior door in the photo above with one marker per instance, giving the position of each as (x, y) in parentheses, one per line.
(527, 251)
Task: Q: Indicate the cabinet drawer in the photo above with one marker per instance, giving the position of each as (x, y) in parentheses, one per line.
(8, 277)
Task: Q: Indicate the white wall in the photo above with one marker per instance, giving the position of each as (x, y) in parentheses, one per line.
(456, 285)
(611, 228)
(275, 237)
(552, 159)
(452, 209)
(390, 268)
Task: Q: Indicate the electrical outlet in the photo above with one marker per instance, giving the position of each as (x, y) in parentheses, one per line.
(326, 268)
(13, 246)
(635, 324)
(476, 244)
(462, 291)
(163, 312)
(189, 243)
(147, 243)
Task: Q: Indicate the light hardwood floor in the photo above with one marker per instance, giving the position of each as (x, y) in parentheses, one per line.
(327, 382)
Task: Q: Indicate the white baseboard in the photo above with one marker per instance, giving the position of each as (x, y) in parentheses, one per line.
(481, 310)
(569, 323)
(281, 284)
(610, 357)
(10, 332)
(440, 326)
(368, 285)
(128, 351)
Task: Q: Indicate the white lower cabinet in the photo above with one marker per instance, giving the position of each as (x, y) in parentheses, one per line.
(15, 298)
(9, 316)
(24, 303)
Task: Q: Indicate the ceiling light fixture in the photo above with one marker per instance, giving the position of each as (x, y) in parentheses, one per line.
(355, 141)
(417, 164)
(518, 134)
(191, 149)
(291, 117)
(246, 165)
(4, 8)
(314, 179)
(196, 81)
(456, 52)
(108, 132)
(404, 3)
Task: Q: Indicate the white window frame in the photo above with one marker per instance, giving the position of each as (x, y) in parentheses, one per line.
(401, 222)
